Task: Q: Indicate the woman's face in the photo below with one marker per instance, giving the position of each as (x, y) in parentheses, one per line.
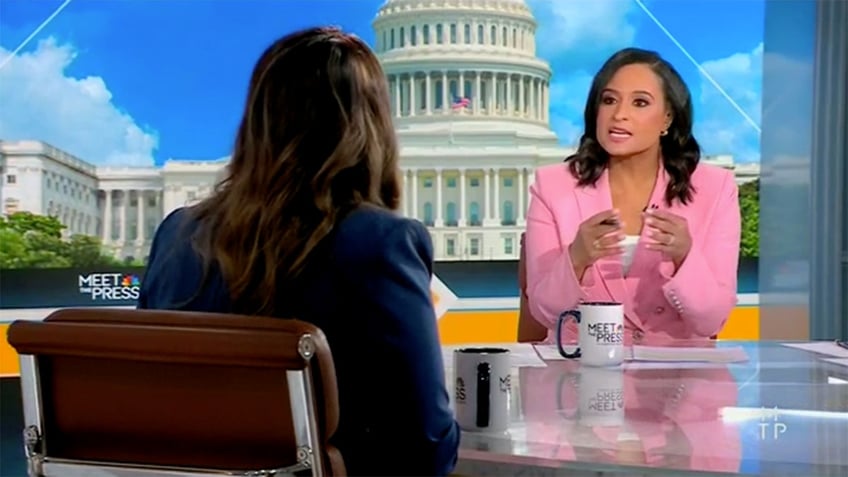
(632, 113)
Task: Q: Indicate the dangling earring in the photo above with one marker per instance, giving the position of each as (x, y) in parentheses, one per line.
(664, 132)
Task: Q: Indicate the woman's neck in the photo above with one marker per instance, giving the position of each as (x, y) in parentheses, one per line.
(634, 170)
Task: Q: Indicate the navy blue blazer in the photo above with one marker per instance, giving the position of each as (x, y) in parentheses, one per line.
(369, 291)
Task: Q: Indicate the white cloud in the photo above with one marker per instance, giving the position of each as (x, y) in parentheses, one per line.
(574, 25)
(74, 114)
(576, 36)
(719, 126)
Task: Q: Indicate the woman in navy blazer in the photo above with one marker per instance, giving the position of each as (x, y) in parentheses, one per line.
(304, 225)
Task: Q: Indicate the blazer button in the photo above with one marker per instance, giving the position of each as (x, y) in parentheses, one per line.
(637, 336)
(659, 310)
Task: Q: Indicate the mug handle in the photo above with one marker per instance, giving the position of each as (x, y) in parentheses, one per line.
(562, 318)
(560, 392)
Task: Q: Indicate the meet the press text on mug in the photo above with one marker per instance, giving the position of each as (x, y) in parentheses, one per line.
(607, 400)
(460, 390)
(505, 383)
(606, 333)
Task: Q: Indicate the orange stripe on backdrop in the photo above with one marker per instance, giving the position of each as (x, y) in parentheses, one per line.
(9, 365)
(459, 327)
(743, 324)
(501, 326)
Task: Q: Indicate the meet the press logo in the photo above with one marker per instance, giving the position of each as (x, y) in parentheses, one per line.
(110, 286)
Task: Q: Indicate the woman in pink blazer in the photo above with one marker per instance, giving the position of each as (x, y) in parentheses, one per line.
(633, 217)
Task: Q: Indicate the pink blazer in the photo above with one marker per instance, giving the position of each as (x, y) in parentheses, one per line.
(659, 304)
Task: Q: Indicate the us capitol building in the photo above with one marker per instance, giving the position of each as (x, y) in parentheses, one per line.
(467, 165)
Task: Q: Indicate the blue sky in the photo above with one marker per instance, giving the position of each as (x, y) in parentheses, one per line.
(133, 82)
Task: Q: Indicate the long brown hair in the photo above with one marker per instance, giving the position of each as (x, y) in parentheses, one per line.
(316, 141)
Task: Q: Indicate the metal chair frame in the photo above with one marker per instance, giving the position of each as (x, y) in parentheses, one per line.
(36, 438)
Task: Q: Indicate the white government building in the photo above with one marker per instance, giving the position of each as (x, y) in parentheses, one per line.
(466, 170)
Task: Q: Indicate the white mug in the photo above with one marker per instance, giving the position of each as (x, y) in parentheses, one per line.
(600, 336)
(600, 397)
(482, 388)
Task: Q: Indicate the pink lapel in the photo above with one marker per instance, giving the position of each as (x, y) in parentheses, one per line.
(592, 200)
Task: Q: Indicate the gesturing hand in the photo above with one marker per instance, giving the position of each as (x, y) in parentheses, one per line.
(598, 236)
(669, 234)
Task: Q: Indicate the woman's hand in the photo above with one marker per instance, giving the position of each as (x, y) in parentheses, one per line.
(669, 234)
(598, 236)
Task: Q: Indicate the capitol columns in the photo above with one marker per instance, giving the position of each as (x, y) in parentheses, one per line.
(487, 200)
(492, 194)
(397, 96)
(412, 94)
(496, 203)
(122, 211)
(476, 104)
(493, 88)
(107, 216)
(462, 205)
(521, 96)
(446, 107)
(522, 190)
(439, 205)
(428, 98)
(510, 109)
(415, 182)
(536, 101)
(139, 231)
(405, 193)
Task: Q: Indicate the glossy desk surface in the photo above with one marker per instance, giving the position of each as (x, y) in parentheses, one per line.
(783, 412)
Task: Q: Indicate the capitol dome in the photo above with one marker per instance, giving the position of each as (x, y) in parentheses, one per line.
(464, 71)
(470, 100)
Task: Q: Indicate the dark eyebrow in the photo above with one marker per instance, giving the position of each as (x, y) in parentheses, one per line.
(645, 93)
(610, 90)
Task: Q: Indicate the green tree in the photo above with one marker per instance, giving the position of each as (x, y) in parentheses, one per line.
(13, 249)
(86, 251)
(35, 241)
(25, 222)
(749, 205)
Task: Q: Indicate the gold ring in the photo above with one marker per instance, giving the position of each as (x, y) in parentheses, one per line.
(597, 244)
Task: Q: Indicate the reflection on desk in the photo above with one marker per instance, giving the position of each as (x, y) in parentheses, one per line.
(783, 412)
(657, 417)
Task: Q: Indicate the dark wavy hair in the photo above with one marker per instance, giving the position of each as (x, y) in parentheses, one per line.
(680, 150)
(316, 141)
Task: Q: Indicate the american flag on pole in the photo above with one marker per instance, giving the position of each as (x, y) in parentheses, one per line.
(460, 103)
